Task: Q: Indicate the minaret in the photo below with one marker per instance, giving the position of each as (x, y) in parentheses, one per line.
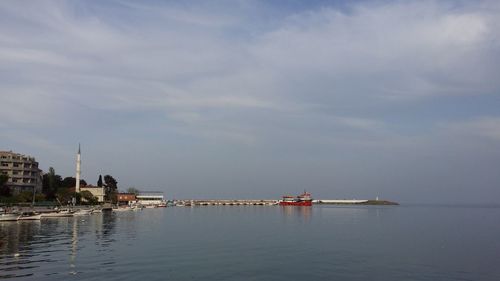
(78, 169)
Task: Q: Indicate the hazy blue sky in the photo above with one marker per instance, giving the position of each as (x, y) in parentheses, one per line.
(220, 99)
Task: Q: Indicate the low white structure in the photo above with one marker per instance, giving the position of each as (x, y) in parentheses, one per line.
(340, 201)
(150, 198)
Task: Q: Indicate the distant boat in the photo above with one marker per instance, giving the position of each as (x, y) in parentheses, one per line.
(302, 200)
(83, 212)
(25, 216)
(9, 217)
(122, 209)
(137, 208)
(60, 214)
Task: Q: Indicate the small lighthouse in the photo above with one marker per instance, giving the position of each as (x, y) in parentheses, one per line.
(78, 169)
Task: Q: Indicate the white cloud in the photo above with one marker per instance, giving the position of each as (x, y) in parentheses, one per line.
(482, 127)
(194, 68)
(361, 123)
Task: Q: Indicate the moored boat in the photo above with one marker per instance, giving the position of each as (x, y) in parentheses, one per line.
(9, 217)
(57, 214)
(302, 200)
(137, 208)
(83, 212)
(25, 216)
(122, 209)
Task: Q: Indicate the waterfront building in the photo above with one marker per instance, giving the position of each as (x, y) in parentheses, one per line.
(150, 198)
(97, 191)
(126, 198)
(22, 170)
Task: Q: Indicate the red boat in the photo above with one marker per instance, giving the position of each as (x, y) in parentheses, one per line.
(302, 200)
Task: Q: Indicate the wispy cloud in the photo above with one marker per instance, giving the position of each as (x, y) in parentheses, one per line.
(480, 127)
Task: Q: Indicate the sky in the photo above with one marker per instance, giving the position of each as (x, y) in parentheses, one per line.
(257, 99)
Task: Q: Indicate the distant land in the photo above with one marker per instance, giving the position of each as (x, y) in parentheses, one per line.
(354, 202)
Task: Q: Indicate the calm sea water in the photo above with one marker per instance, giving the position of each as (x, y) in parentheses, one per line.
(258, 243)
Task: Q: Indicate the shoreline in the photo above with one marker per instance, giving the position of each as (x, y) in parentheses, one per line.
(221, 202)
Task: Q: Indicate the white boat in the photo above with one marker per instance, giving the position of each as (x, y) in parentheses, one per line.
(68, 211)
(29, 216)
(137, 208)
(121, 209)
(82, 212)
(9, 217)
(96, 211)
(57, 214)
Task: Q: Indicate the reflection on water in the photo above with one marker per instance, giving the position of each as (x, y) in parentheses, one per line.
(257, 243)
(23, 232)
(301, 212)
(28, 245)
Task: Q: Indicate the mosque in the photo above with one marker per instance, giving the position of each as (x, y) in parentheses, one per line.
(97, 191)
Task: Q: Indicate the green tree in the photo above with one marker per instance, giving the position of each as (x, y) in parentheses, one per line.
(3, 179)
(25, 197)
(4, 189)
(99, 181)
(110, 182)
(111, 190)
(64, 196)
(88, 197)
(51, 183)
(45, 184)
(40, 197)
(68, 182)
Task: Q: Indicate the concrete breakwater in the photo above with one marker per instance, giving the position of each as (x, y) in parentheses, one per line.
(226, 202)
(273, 202)
(355, 202)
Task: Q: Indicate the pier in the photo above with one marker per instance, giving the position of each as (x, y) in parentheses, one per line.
(227, 202)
